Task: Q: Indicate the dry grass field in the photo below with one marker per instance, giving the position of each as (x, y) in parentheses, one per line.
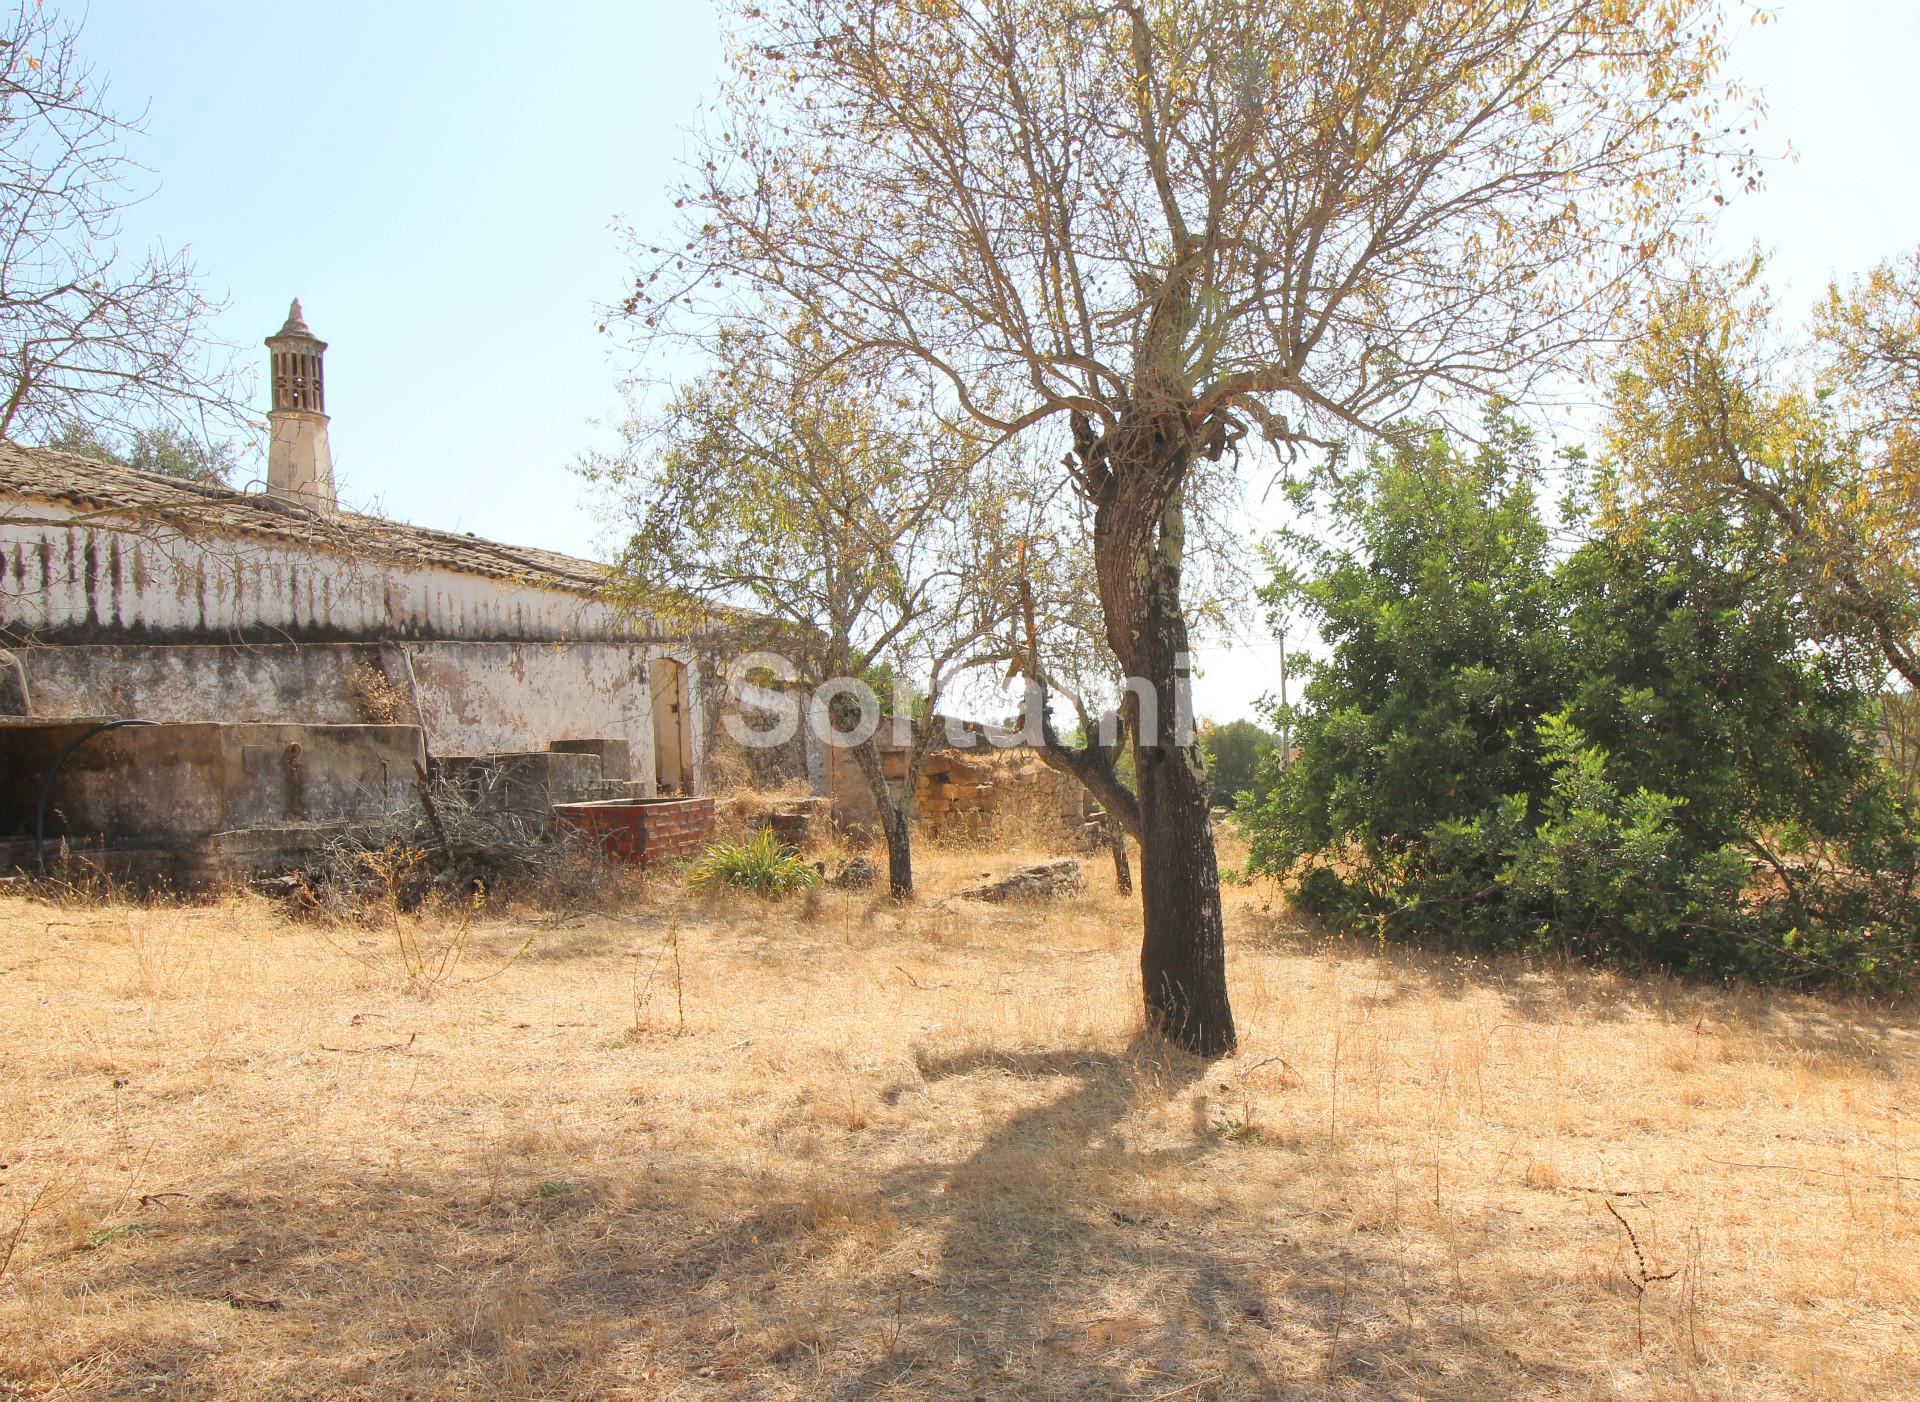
(718, 1148)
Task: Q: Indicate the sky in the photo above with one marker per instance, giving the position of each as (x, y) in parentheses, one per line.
(439, 185)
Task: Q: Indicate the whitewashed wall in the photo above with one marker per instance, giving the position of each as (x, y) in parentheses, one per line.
(85, 578)
(476, 697)
(220, 628)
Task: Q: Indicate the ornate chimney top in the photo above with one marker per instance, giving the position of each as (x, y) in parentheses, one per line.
(298, 378)
(299, 463)
(296, 325)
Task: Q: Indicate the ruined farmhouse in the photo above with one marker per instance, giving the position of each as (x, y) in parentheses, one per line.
(130, 595)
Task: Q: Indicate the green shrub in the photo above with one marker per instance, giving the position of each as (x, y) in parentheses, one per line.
(1233, 753)
(761, 864)
(1636, 752)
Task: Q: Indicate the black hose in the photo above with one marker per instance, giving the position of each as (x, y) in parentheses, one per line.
(46, 785)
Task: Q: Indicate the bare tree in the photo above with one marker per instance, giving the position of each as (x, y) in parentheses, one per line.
(1150, 227)
(855, 536)
(90, 335)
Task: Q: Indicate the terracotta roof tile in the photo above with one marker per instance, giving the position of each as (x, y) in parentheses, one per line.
(90, 485)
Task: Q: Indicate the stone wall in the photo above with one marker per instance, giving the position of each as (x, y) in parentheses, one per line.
(962, 794)
(973, 793)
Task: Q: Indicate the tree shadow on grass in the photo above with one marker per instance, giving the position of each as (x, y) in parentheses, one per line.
(1059, 1270)
(1033, 1283)
(1073, 1251)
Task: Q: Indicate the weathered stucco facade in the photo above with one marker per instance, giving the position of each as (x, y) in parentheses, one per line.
(143, 555)
(133, 594)
(272, 669)
(125, 594)
(475, 697)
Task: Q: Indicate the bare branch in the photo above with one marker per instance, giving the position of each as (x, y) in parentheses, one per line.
(93, 338)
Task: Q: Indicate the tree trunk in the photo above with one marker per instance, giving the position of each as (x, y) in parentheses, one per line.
(899, 852)
(1139, 540)
(895, 822)
(1117, 840)
(1183, 953)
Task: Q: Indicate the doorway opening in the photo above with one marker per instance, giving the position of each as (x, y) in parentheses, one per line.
(672, 729)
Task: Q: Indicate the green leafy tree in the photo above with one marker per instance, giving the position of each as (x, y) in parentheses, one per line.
(1234, 752)
(1630, 753)
(164, 448)
(1435, 602)
(178, 453)
(1715, 410)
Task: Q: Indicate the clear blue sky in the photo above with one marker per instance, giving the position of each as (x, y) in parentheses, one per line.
(437, 183)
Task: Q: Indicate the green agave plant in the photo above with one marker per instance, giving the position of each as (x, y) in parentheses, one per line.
(761, 863)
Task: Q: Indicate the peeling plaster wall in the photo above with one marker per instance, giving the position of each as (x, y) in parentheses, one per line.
(474, 694)
(84, 582)
(155, 623)
(477, 697)
(176, 784)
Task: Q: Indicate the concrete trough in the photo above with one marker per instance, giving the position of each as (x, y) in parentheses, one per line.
(529, 781)
(184, 805)
(170, 785)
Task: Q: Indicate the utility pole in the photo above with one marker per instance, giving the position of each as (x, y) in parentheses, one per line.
(1286, 750)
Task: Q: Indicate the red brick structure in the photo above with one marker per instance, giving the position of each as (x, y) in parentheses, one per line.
(643, 830)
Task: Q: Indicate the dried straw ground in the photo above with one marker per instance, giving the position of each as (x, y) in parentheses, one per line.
(852, 1152)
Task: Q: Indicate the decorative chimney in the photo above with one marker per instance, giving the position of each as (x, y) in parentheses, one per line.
(299, 463)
